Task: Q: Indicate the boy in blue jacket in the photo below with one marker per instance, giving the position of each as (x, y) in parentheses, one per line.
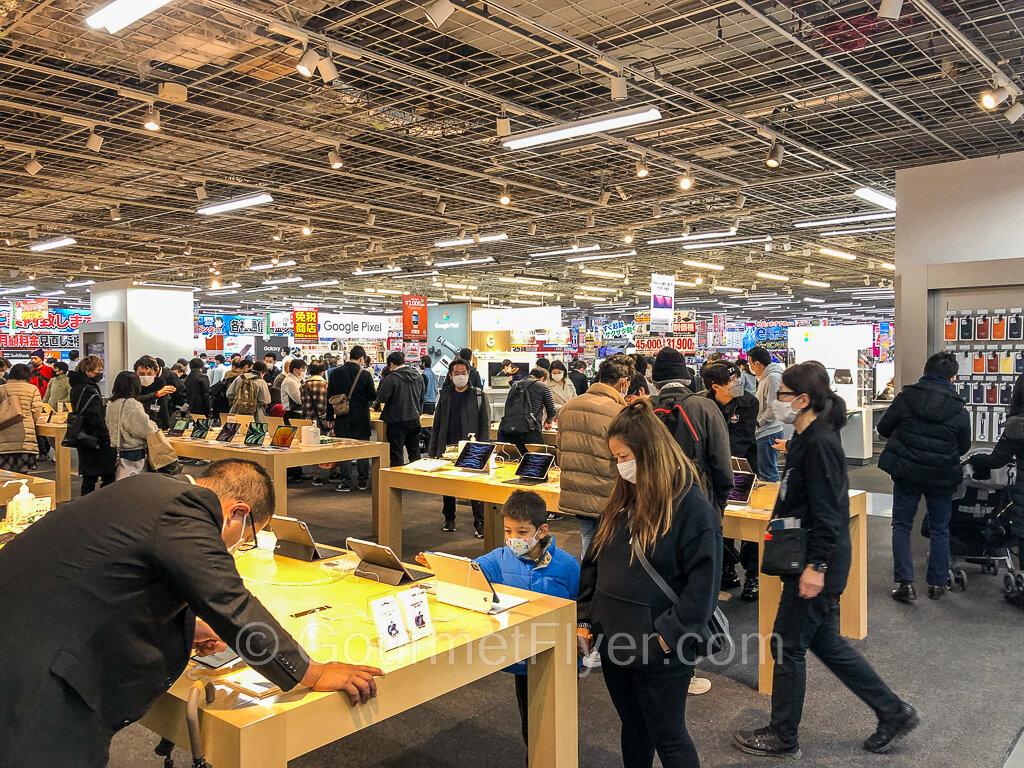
(530, 560)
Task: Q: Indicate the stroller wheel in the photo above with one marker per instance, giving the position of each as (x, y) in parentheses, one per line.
(1009, 583)
(950, 580)
(1019, 580)
(960, 579)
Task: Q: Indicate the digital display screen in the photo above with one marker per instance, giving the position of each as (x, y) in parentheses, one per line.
(475, 456)
(179, 427)
(255, 433)
(228, 432)
(743, 484)
(283, 437)
(535, 466)
(201, 428)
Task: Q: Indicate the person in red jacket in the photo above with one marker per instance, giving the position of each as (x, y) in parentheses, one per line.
(41, 372)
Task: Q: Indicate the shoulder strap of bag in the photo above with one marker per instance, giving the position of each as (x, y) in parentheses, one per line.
(655, 576)
(355, 380)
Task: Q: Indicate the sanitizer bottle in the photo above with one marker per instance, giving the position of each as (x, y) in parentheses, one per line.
(22, 507)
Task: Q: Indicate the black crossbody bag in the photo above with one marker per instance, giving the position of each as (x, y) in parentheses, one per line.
(785, 549)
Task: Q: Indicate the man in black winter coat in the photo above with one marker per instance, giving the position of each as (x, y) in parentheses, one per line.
(401, 395)
(355, 382)
(928, 430)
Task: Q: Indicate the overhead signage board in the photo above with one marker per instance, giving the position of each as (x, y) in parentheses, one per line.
(663, 292)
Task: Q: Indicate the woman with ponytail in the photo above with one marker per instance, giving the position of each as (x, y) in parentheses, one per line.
(814, 491)
(656, 527)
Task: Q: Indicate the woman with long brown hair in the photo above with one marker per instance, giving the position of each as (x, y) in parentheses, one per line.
(656, 527)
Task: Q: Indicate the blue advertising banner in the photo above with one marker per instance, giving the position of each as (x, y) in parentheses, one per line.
(58, 320)
(447, 329)
(230, 325)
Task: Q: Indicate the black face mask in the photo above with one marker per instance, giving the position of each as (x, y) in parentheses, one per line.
(98, 378)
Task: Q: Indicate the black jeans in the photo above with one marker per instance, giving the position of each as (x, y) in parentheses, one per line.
(89, 482)
(748, 556)
(448, 509)
(404, 435)
(814, 624)
(357, 470)
(520, 441)
(522, 699)
(652, 707)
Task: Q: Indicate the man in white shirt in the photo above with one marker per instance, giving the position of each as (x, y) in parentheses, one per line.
(291, 397)
(218, 369)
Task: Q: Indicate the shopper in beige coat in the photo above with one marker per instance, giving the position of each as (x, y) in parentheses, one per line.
(588, 469)
(18, 444)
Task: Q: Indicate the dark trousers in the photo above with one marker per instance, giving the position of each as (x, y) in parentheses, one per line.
(904, 510)
(43, 446)
(747, 555)
(357, 470)
(428, 408)
(404, 436)
(520, 441)
(522, 700)
(448, 509)
(89, 482)
(652, 708)
(814, 624)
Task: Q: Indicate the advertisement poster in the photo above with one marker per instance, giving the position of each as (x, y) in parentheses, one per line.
(448, 326)
(663, 292)
(650, 345)
(414, 318)
(230, 325)
(771, 337)
(56, 320)
(29, 311)
(716, 334)
(277, 344)
(305, 324)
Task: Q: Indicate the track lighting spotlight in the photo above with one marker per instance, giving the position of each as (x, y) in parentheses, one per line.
(686, 182)
(307, 62)
(618, 88)
(532, 228)
(152, 121)
(201, 191)
(334, 159)
(437, 12)
(741, 200)
(890, 9)
(604, 197)
(307, 259)
(774, 158)
(461, 234)
(992, 98)
(94, 142)
(503, 126)
(33, 233)
(440, 207)
(307, 229)
(656, 210)
(628, 238)
(505, 198)
(328, 72)
(188, 250)
(277, 236)
(115, 213)
(1015, 111)
(33, 166)
(641, 168)
(371, 218)
(590, 220)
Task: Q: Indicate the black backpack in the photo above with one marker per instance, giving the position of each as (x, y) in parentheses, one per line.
(218, 396)
(519, 418)
(669, 408)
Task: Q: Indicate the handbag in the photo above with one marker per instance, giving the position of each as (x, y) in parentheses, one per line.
(785, 552)
(716, 636)
(342, 403)
(9, 413)
(160, 454)
(75, 437)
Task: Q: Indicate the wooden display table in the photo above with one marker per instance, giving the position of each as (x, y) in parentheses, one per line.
(62, 457)
(277, 462)
(380, 428)
(466, 646)
(39, 486)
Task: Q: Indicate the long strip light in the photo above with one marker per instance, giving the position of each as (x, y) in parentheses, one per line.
(600, 257)
(224, 287)
(521, 280)
(726, 288)
(79, 283)
(852, 219)
(812, 300)
(602, 273)
(281, 280)
(53, 293)
(21, 289)
(770, 276)
(456, 286)
(272, 265)
(887, 265)
(232, 205)
(563, 251)
(382, 271)
(463, 262)
(878, 198)
(578, 128)
(837, 254)
(221, 293)
(725, 243)
(319, 284)
(49, 245)
(595, 299)
(598, 289)
(471, 240)
(415, 274)
(694, 236)
(704, 265)
(543, 294)
(858, 231)
(120, 13)
(526, 301)
(817, 283)
(385, 291)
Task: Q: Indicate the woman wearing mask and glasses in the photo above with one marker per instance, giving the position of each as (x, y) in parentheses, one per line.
(562, 388)
(814, 491)
(656, 515)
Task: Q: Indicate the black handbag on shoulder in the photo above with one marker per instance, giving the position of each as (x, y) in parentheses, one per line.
(76, 437)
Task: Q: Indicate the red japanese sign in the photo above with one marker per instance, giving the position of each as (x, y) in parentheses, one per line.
(414, 318)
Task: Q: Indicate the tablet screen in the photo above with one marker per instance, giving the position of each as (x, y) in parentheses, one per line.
(283, 437)
(535, 466)
(200, 428)
(255, 433)
(475, 456)
(743, 484)
(227, 432)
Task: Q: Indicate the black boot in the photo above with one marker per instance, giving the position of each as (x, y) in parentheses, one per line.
(1017, 599)
(729, 578)
(905, 592)
(935, 592)
(765, 742)
(891, 731)
(750, 589)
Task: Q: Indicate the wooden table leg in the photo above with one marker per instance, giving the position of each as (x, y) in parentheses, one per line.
(493, 527)
(552, 700)
(853, 604)
(770, 591)
(378, 462)
(259, 745)
(389, 528)
(279, 474)
(62, 459)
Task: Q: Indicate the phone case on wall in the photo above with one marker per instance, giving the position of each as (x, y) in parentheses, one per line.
(979, 362)
(992, 393)
(999, 328)
(966, 360)
(1005, 393)
(1006, 363)
(1018, 363)
(967, 328)
(982, 328)
(1015, 327)
(965, 391)
(978, 393)
(981, 422)
(993, 362)
(949, 333)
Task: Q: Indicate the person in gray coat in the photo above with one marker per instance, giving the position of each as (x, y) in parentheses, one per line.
(769, 428)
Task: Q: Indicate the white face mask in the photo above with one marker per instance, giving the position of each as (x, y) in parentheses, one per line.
(460, 381)
(147, 380)
(521, 547)
(736, 388)
(241, 535)
(627, 469)
(784, 411)
(558, 376)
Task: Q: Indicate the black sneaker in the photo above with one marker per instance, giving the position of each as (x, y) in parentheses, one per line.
(317, 481)
(764, 742)
(343, 488)
(363, 487)
(750, 589)
(730, 580)
(889, 732)
(905, 592)
(935, 593)
(478, 533)
(449, 526)
(1016, 599)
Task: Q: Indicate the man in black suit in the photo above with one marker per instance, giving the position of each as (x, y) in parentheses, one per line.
(354, 381)
(100, 601)
(577, 375)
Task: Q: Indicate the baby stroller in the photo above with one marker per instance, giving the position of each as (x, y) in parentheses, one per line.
(978, 529)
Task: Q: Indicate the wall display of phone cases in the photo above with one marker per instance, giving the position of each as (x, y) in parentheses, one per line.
(1001, 327)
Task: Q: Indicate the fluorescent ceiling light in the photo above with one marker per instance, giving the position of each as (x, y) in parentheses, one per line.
(852, 219)
(464, 297)
(703, 265)
(386, 291)
(878, 198)
(280, 280)
(53, 293)
(598, 288)
(321, 284)
(261, 290)
(526, 301)
(232, 205)
(599, 257)
(22, 289)
(837, 254)
(381, 271)
(471, 240)
(458, 286)
(724, 243)
(272, 265)
(887, 265)
(522, 280)
(857, 231)
(221, 293)
(817, 284)
(545, 294)
(770, 276)
(602, 273)
(225, 287)
(726, 288)
(464, 262)
(812, 300)
(51, 244)
(120, 13)
(79, 283)
(563, 251)
(582, 128)
(415, 274)
(694, 236)
(596, 299)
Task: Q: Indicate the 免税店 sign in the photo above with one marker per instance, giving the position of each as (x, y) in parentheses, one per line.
(305, 325)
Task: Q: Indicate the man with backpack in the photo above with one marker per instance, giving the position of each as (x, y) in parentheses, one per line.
(525, 407)
(350, 392)
(249, 394)
(401, 396)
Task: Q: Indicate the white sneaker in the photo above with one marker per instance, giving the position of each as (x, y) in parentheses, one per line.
(592, 661)
(699, 685)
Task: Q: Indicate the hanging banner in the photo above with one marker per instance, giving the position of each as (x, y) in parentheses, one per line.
(306, 324)
(716, 334)
(414, 318)
(57, 320)
(29, 311)
(663, 291)
(230, 325)
(347, 326)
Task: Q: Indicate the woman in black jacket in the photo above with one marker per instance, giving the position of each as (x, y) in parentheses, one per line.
(814, 491)
(461, 410)
(197, 389)
(646, 639)
(100, 463)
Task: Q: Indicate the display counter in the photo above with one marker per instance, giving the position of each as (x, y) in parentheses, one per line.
(62, 457)
(858, 435)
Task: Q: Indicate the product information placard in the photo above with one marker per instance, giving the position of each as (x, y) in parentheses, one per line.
(305, 324)
(414, 318)
(716, 333)
(652, 344)
(663, 291)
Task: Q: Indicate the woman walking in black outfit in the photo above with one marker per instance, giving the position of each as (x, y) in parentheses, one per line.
(815, 491)
(657, 514)
(94, 464)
